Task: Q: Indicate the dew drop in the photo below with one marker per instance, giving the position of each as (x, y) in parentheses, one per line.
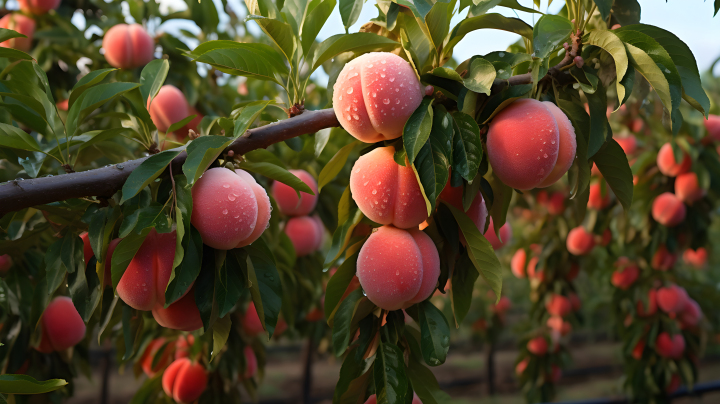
(386, 101)
(225, 211)
(382, 75)
(226, 185)
(350, 90)
(231, 197)
(392, 79)
(374, 192)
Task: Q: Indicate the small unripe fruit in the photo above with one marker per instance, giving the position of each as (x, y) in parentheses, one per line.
(398, 268)
(374, 96)
(671, 347)
(696, 258)
(580, 241)
(38, 7)
(128, 46)
(538, 346)
(687, 188)
(712, 124)
(306, 234)
(672, 299)
(287, 199)
(386, 192)
(505, 235)
(567, 142)
(558, 305)
(184, 380)
(668, 210)
(599, 198)
(518, 263)
(626, 274)
(663, 260)
(523, 144)
(251, 362)
(153, 350)
(62, 326)
(667, 164)
(22, 24)
(651, 305)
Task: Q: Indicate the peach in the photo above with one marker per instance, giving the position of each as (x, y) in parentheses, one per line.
(663, 260)
(374, 96)
(580, 241)
(558, 325)
(479, 325)
(505, 235)
(5, 264)
(521, 366)
(558, 305)
(88, 253)
(62, 326)
(599, 198)
(287, 199)
(626, 274)
(556, 204)
(523, 144)
(182, 315)
(691, 314)
(63, 105)
(668, 210)
(638, 350)
(637, 125)
(183, 345)
(398, 268)
(696, 258)
(251, 362)
(38, 7)
(22, 24)
(184, 380)
(182, 133)
(386, 192)
(606, 238)
(687, 188)
(575, 301)
(567, 149)
(538, 346)
(230, 209)
(128, 47)
(671, 347)
(305, 233)
(168, 107)
(668, 166)
(477, 212)
(651, 305)
(502, 306)
(533, 272)
(251, 323)
(712, 124)
(672, 299)
(152, 350)
(518, 263)
(628, 144)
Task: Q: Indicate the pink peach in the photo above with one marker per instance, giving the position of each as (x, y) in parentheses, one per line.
(567, 149)
(667, 164)
(668, 210)
(128, 46)
(287, 199)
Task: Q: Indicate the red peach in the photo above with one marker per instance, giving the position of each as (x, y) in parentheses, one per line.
(305, 233)
(505, 235)
(691, 314)
(651, 305)
(668, 210)
(671, 347)
(184, 380)
(638, 350)
(712, 124)
(182, 315)
(672, 299)
(251, 321)
(398, 268)
(183, 345)
(168, 107)
(480, 325)
(667, 164)
(538, 346)
(696, 258)
(626, 274)
(148, 357)
(128, 47)
(386, 192)
(523, 144)
(555, 374)
(687, 188)
(637, 125)
(628, 144)
(63, 105)
(663, 260)
(5, 264)
(38, 7)
(558, 305)
(580, 241)
(62, 326)
(287, 199)
(182, 133)
(556, 204)
(521, 366)
(532, 271)
(558, 325)
(599, 198)
(517, 263)
(567, 148)
(374, 96)
(251, 362)
(502, 306)
(22, 24)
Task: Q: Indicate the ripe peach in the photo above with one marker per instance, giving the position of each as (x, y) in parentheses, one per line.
(148, 357)
(374, 96)
(606, 238)
(306, 234)
(128, 46)
(663, 260)
(182, 133)
(63, 105)
(687, 188)
(558, 305)
(523, 144)
(184, 380)
(287, 200)
(651, 305)
(22, 24)
(230, 209)
(413, 258)
(62, 326)
(672, 299)
(712, 124)
(668, 210)
(637, 125)
(183, 345)
(667, 164)
(168, 107)
(477, 212)
(521, 366)
(538, 346)
(38, 7)
(182, 315)
(517, 263)
(558, 325)
(567, 149)
(691, 314)
(251, 362)
(502, 306)
(638, 350)
(628, 144)
(556, 204)
(386, 192)
(533, 272)
(626, 274)
(599, 198)
(505, 235)
(580, 241)
(5, 264)
(696, 258)
(670, 346)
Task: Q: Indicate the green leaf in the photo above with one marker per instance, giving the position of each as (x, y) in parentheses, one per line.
(6, 34)
(480, 251)
(549, 32)
(433, 162)
(279, 174)
(343, 319)
(581, 123)
(391, 382)
(124, 253)
(513, 4)
(147, 393)
(626, 12)
(132, 324)
(14, 54)
(610, 43)
(600, 129)
(16, 138)
(248, 114)
(265, 285)
(350, 12)
(499, 101)
(341, 237)
(314, 22)
(85, 289)
(23, 384)
(253, 60)
(204, 288)
(201, 153)
(91, 99)
(491, 21)
(220, 332)
(435, 333)
(354, 378)
(279, 32)
(335, 165)
(424, 383)
(604, 7)
(463, 281)
(359, 42)
(438, 22)
(338, 284)
(141, 219)
(417, 129)
(613, 165)
(185, 274)
(152, 78)
(232, 281)
(480, 77)
(146, 173)
(467, 149)
(93, 78)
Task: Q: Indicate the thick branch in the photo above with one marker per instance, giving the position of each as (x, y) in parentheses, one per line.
(106, 181)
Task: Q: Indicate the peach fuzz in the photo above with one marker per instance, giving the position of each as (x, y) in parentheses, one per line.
(5, 264)
(153, 350)
(305, 233)
(230, 209)
(599, 197)
(168, 107)
(668, 166)
(374, 96)
(580, 241)
(668, 210)
(687, 188)
(38, 7)
(62, 326)
(287, 199)
(567, 148)
(668, 346)
(538, 346)
(696, 258)
(523, 143)
(477, 212)
(128, 46)
(663, 260)
(651, 305)
(184, 380)
(251, 362)
(143, 284)
(385, 191)
(398, 268)
(182, 315)
(505, 235)
(22, 24)
(558, 305)
(518, 263)
(712, 124)
(672, 299)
